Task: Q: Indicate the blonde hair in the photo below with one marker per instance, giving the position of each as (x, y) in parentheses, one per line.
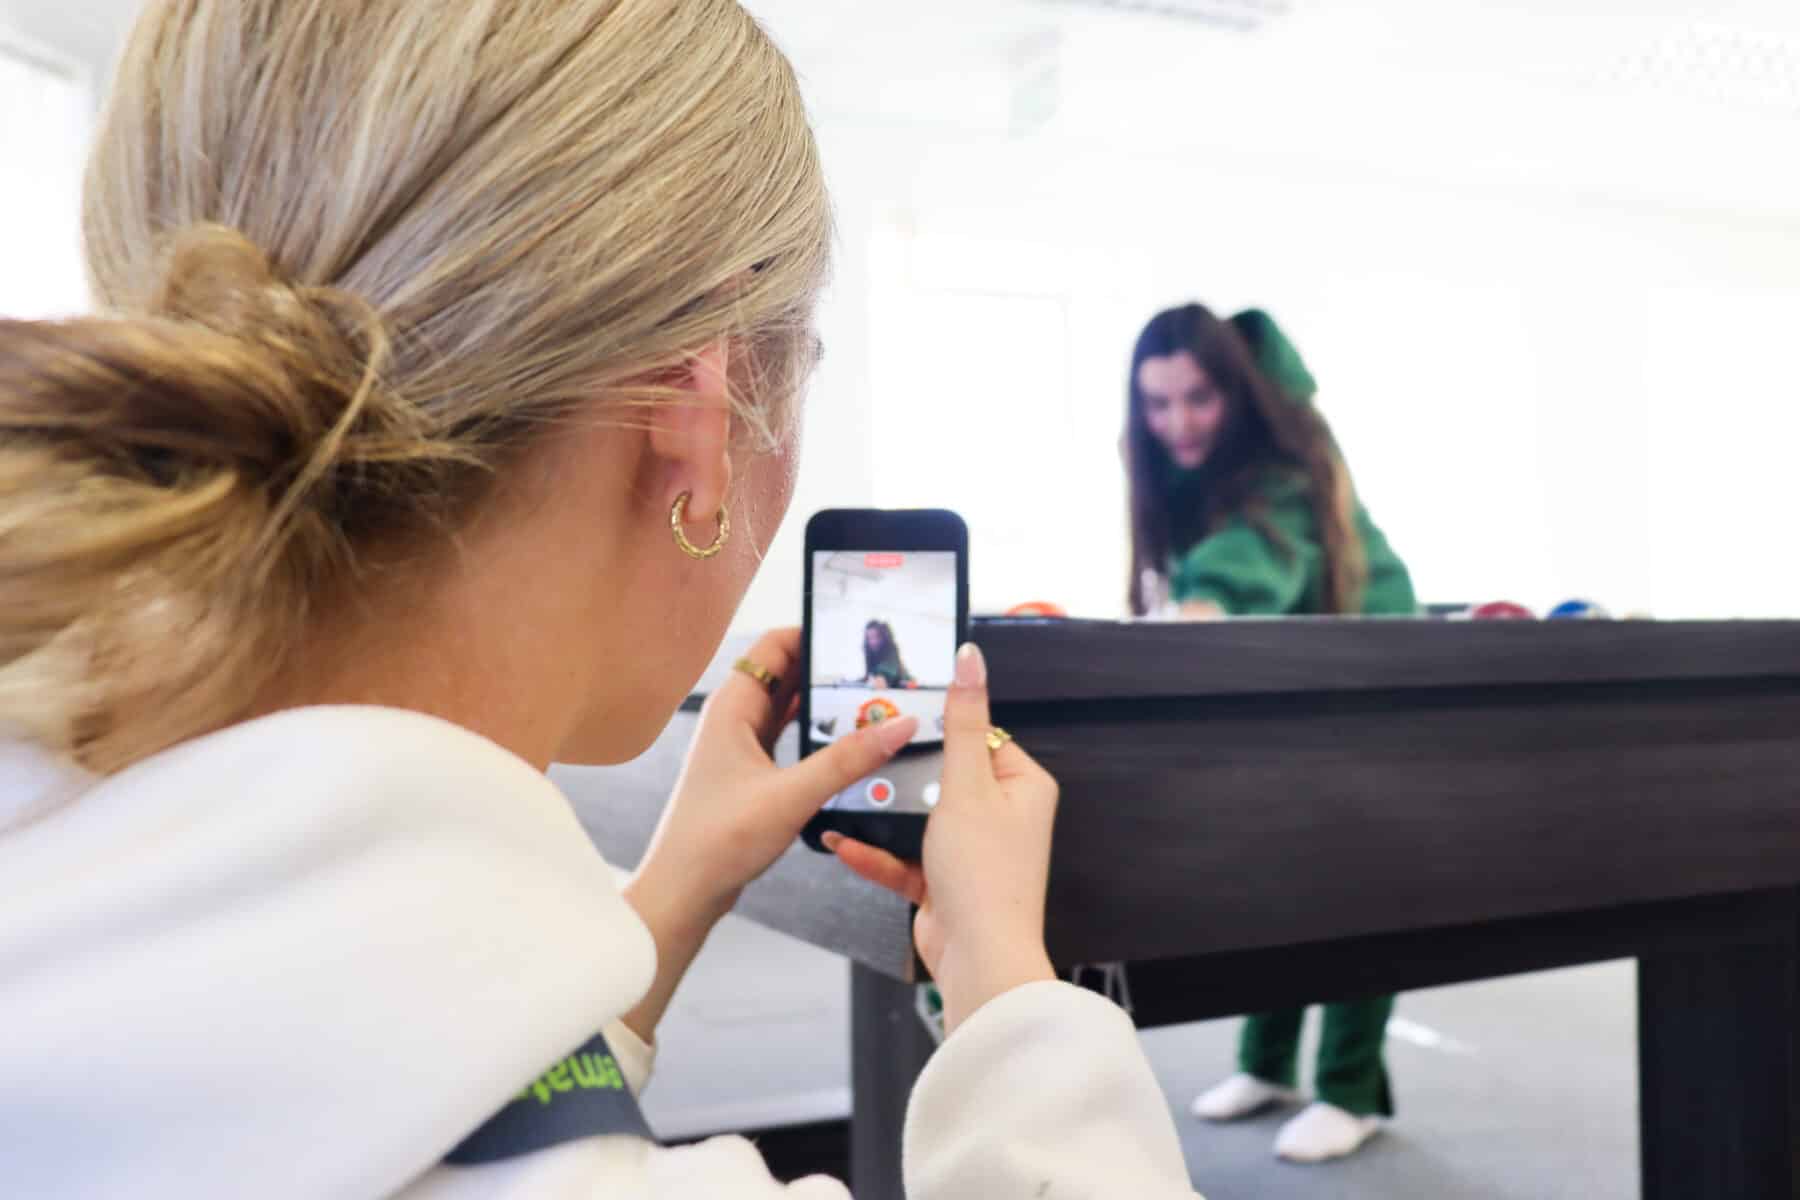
(352, 256)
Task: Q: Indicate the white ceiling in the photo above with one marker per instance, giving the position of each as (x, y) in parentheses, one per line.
(1688, 104)
(1691, 105)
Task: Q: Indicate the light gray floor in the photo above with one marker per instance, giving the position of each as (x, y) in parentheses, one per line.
(1514, 1089)
(1511, 1089)
(758, 1035)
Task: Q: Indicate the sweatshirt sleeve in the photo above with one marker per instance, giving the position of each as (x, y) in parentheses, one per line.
(1044, 1091)
(605, 1167)
(1245, 571)
(635, 1056)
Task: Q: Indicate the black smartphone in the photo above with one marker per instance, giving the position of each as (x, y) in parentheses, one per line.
(887, 605)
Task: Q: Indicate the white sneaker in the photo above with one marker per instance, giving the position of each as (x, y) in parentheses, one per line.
(1240, 1096)
(1322, 1132)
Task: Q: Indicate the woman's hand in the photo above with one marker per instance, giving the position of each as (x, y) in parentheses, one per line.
(980, 890)
(734, 812)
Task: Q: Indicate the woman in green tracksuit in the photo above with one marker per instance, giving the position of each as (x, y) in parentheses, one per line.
(882, 667)
(1241, 506)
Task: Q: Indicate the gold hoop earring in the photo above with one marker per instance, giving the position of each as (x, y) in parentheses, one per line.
(678, 518)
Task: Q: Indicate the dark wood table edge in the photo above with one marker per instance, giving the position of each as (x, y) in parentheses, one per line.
(1232, 982)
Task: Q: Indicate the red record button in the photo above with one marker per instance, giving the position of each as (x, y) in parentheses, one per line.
(880, 793)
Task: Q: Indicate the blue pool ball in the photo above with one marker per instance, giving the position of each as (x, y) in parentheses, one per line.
(1578, 610)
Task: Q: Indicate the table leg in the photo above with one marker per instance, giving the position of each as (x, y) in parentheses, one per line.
(1717, 1102)
(888, 1049)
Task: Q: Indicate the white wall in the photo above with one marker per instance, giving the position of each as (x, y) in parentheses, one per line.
(1541, 395)
(45, 115)
(1724, 443)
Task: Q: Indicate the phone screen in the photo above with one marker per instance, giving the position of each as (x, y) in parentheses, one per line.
(884, 629)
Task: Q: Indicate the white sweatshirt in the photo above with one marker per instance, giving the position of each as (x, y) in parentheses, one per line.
(310, 954)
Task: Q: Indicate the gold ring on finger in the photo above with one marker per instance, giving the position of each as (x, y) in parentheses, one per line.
(997, 737)
(758, 672)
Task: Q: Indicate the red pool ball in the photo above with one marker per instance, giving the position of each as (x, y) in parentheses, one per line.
(1502, 610)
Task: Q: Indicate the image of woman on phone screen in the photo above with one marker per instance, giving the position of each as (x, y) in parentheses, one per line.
(1241, 505)
(883, 667)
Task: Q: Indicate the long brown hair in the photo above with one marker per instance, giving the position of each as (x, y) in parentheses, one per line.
(888, 653)
(1265, 429)
(353, 260)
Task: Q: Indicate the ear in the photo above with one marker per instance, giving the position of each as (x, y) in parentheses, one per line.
(691, 433)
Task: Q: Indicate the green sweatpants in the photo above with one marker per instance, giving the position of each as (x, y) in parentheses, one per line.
(1350, 1071)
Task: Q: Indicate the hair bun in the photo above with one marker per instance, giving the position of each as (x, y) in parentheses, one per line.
(233, 374)
(181, 474)
(328, 343)
(331, 426)
(219, 278)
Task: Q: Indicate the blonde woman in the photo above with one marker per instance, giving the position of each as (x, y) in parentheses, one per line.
(441, 406)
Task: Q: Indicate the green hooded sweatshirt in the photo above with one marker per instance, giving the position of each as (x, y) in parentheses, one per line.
(1240, 568)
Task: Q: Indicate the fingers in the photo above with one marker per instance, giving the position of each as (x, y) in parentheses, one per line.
(820, 776)
(772, 731)
(879, 867)
(784, 701)
(743, 700)
(967, 759)
(1012, 762)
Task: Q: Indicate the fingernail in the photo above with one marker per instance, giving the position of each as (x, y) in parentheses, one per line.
(891, 735)
(971, 667)
(832, 838)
